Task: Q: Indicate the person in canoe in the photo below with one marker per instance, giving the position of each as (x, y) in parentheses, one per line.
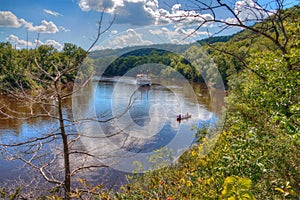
(186, 116)
(179, 117)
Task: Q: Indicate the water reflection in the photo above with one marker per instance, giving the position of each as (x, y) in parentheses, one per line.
(149, 124)
(144, 120)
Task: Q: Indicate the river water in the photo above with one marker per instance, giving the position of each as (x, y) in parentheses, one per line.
(139, 121)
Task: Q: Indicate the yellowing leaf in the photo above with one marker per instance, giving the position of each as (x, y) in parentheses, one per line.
(280, 190)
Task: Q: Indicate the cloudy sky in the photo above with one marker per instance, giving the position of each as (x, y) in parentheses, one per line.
(137, 22)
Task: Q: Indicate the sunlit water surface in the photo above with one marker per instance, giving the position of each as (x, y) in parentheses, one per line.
(142, 120)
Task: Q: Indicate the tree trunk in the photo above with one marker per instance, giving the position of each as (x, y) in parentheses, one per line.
(64, 135)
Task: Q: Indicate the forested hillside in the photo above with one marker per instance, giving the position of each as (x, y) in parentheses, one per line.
(116, 62)
(119, 61)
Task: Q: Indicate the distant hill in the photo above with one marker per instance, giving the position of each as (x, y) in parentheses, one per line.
(118, 61)
(212, 40)
(147, 49)
(139, 50)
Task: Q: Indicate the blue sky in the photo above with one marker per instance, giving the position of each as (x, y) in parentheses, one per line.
(137, 22)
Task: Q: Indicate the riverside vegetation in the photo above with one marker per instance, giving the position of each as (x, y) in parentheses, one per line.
(256, 156)
(257, 153)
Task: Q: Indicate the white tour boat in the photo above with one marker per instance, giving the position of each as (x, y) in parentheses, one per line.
(143, 80)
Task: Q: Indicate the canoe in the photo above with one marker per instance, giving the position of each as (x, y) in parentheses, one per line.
(180, 117)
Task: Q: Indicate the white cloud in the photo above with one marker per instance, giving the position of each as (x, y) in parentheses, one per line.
(64, 29)
(231, 20)
(45, 27)
(38, 42)
(149, 12)
(53, 13)
(8, 19)
(126, 11)
(114, 32)
(100, 5)
(168, 36)
(176, 7)
(179, 17)
(144, 12)
(129, 38)
(109, 6)
(177, 36)
(248, 10)
(191, 32)
(55, 44)
(134, 14)
(134, 1)
(15, 39)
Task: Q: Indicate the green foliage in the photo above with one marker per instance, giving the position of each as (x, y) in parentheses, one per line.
(237, 188)
(264, 120)
(215, 39)
(263, 117)
(71, 56)
(189, 178)
(14, 67)
(11, 196)
(31, 69)
(257, 154)
(86, 191)
(144, 56)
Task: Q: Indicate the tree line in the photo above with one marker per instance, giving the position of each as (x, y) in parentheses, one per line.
(22, 68)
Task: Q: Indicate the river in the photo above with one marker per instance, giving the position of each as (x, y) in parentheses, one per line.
(140, 121)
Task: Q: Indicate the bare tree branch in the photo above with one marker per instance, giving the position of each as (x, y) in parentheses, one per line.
(47, 102)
